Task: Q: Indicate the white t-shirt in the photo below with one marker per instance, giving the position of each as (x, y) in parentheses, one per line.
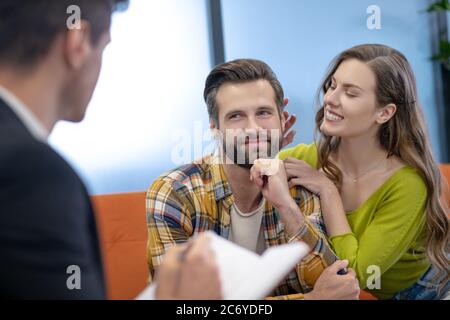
(246, 230)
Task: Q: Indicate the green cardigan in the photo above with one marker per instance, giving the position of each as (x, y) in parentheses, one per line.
(388, 229)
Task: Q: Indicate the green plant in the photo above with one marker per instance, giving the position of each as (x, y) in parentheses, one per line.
(442, 5)
(443, 56)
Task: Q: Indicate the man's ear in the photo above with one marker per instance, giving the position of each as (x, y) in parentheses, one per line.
(77, 46)
(386, 113)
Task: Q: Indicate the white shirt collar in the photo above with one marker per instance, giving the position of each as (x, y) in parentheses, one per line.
(29, 120)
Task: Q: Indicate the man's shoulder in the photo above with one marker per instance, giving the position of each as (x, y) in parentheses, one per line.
(305, 199)
(305, 152)
(23, 156)
(191, 177)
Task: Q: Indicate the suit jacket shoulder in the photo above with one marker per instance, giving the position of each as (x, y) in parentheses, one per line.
(47, 226)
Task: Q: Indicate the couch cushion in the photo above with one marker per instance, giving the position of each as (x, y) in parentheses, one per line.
(122, 226)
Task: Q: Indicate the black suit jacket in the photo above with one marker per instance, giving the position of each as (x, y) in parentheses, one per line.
(46, 221)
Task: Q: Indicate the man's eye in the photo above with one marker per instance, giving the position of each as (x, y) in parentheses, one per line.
(235, 116)
(265, 113)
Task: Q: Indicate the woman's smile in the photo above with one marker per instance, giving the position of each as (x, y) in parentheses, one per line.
(332, 116)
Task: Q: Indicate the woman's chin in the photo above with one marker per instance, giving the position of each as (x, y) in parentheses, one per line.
(326, 130)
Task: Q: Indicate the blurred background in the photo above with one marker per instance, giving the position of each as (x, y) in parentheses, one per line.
(147, 114)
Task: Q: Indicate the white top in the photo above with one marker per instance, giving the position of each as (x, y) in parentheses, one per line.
(246, 230)
(29, 120)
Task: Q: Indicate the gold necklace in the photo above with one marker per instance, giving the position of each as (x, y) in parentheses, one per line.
(355, 179)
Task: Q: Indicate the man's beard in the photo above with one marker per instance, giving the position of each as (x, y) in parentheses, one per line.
(242, 155)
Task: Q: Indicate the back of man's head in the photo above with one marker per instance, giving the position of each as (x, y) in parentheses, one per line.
(29, 27)
(51, 53)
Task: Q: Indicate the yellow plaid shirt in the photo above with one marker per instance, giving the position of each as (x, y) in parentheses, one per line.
(197, 197)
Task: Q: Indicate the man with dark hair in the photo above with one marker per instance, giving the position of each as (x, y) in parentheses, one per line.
(48, 73)
(245, 103)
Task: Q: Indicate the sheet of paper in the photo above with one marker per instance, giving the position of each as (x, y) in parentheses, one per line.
(248, 276)
(244, 274)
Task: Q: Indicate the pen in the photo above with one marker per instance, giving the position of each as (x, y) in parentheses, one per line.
(342, 271)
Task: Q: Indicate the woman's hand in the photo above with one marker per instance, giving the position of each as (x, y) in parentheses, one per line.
(289, 123)
(299, 173)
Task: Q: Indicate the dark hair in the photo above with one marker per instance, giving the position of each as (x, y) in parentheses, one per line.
(29, 27)
(239, 71)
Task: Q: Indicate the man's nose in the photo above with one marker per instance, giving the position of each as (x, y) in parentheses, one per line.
(253, 124)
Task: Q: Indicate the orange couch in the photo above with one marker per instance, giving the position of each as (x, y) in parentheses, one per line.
(445, 170)
(122, 227)
(123, 236)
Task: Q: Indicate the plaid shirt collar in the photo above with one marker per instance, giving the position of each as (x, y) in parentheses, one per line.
(220, 185)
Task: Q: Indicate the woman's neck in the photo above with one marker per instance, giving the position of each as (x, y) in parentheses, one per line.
(357, 154)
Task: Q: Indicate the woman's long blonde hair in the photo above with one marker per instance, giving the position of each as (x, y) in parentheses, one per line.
(404, 135)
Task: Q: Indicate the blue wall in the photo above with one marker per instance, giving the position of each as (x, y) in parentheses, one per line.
(299, 38)
(150, 89)
(149, 96)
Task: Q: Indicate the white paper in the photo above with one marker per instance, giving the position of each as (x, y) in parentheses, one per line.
(246, 275)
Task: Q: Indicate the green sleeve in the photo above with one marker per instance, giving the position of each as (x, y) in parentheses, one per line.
(397, 222)
(305, 152)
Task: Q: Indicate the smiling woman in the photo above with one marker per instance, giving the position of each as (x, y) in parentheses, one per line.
(378, 183)
(353, 86)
